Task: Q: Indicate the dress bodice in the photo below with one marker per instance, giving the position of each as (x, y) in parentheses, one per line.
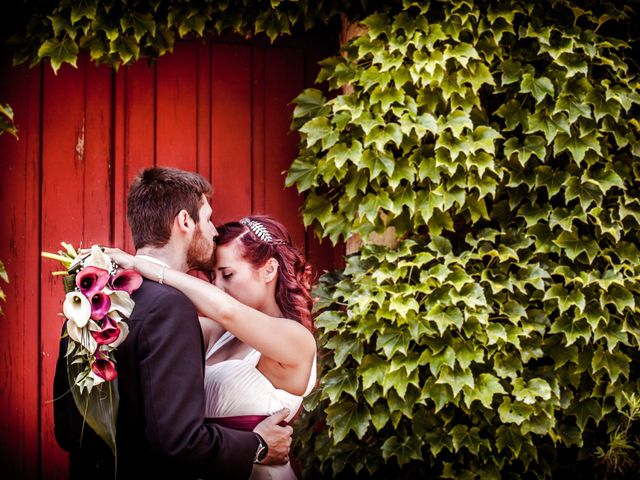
(236, 387)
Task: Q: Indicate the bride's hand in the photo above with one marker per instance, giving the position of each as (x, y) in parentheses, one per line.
(123, 259)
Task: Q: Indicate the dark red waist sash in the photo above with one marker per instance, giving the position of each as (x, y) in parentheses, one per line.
(241, 422)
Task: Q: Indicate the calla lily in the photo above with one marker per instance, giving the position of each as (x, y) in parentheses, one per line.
(82, 336)
(100, 305)
(108, 333)
(124, 331)
(104, 369)
(91, 280)
(127, 280)
(121, 303)
(97, 258)
(77, 308)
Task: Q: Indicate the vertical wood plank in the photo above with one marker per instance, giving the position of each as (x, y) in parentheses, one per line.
(284, 80)
(176, 108)
(20, 250)
(258, 200)
(98, 154)
(203, 106)
(231, 131)
(135, 138)
(63, 171)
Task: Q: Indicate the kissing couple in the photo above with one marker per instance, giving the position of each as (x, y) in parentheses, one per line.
(210, 373)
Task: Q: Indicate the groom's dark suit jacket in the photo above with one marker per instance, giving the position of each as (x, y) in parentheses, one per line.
(161, 430)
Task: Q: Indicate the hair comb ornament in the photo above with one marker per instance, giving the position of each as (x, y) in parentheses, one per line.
(260, 231)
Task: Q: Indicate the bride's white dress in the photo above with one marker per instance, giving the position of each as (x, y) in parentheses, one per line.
(236, 387)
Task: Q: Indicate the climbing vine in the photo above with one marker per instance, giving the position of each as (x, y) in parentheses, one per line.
(501, 336)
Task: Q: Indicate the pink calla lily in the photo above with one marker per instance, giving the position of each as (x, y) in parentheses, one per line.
(100, 305)
(127, 280)
(104, 368)
(109, 332)
(91, 280)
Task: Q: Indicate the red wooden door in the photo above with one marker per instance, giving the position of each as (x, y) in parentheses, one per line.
(220, 108)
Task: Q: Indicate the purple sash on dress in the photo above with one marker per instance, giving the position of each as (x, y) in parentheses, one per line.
(241, 422)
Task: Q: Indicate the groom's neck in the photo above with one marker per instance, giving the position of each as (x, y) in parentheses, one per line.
(174, 259)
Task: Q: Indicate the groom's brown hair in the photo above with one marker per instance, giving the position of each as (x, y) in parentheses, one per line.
(156, 196)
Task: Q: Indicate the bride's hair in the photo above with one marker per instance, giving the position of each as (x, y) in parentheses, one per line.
(263, 238)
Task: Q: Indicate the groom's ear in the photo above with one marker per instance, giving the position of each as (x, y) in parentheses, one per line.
(182, 221)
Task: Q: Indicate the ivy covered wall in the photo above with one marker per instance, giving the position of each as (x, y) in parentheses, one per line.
(500, 338)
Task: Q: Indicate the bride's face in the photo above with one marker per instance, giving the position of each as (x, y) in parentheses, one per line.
(239, 278)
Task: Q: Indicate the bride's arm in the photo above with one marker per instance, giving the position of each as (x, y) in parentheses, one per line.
(279, 339)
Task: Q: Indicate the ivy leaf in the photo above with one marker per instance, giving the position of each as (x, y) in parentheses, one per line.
(405, 450)
(457, 121)
(509, 436)
(533, 145)
(552, 180)
(59, 52)
(343, 346)
(515, 412)
(549, 125)
(565, 299)
(377, 162)
(347, 416)
(584, 410)
(308, 103)
(302, 173)
(470, 438)
(440, 395)
(456, 378)
(514, 115)
(338, 381)
(486, 386)
(393, 341)
(574, 245)
(316, 208)
(573, 106)
(445, 317)
(316, 129)
(528, 392)
(576, 146)
(539, 87)
(587, 191)
(572, 329)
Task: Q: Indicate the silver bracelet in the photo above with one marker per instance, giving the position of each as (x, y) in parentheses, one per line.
(161, 275)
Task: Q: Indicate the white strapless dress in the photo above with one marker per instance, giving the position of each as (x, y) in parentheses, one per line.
(236, 387)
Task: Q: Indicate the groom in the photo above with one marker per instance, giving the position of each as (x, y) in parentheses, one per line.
(161, 430)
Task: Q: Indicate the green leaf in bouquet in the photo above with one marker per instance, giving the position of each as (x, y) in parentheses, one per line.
(97, 405)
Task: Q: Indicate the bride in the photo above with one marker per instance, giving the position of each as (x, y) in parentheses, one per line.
(256, 323)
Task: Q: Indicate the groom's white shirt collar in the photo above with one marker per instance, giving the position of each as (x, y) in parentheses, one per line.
(152, 260)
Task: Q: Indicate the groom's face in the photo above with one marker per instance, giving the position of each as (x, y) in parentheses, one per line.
(201, 249)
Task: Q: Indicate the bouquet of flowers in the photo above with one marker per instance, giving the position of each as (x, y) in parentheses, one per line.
(96, 305)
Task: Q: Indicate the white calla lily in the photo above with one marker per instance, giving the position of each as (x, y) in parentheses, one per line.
(124, 331)
(76, 307)
(121, 302)
(82, 336)
(97, 258)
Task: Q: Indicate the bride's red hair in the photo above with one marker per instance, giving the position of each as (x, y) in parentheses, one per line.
(293, 288)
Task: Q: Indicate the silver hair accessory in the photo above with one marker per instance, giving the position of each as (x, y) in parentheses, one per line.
(260, 231)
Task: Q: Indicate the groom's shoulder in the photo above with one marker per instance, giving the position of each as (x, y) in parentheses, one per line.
(153, 294)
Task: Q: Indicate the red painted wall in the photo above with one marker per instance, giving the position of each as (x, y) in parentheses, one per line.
(220, 108)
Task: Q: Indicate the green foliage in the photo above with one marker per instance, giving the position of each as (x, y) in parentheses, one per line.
(117, 32)
(6, 120)
(502, 142)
